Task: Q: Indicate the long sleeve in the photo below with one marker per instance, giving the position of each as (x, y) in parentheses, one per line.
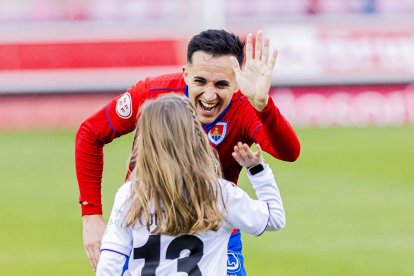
(255, 216)
(266, 189)
(275, 135)
(110, 263)
(90, 139)
(117, 240)
(117, 118)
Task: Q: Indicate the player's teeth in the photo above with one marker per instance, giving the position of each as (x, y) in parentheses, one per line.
(207, 108)
(208, 105)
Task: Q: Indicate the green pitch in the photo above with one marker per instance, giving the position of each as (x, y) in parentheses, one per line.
(349, 201)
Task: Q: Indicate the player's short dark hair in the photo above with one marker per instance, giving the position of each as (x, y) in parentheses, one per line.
(217, 43)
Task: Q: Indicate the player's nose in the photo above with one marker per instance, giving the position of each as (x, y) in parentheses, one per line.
(209, 94)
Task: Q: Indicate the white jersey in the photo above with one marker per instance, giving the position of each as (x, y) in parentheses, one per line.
(200, 254)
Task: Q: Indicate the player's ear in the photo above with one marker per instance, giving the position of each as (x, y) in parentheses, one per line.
(234, 84)
(185, 73)
(236, 87)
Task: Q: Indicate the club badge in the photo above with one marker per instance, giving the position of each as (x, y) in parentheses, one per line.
(217, 134)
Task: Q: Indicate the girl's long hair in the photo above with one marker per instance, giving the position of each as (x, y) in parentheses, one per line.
(176, 172)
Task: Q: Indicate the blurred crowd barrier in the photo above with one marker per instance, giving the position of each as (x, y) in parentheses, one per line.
(346, 106)
(341, 62)
(322, 53)
(48, 10)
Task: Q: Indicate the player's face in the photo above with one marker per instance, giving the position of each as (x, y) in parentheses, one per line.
(211, 84)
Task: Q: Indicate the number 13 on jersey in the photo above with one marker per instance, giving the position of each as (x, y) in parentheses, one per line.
(189, 245)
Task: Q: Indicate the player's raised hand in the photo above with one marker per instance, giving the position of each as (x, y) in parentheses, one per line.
(255, 79)
(244, 155)
(93, 229)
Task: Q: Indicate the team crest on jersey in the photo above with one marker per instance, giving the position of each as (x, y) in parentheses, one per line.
(124, 106)
(217, 134)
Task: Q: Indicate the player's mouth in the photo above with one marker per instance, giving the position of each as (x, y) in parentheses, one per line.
(208, 108)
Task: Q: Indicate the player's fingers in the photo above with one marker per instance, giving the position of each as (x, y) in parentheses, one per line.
(249, 47)
(97, 253)
(273, 60)
(93, 263)
(265, 52)
(93, 252)
(258, 46)
(90, 257)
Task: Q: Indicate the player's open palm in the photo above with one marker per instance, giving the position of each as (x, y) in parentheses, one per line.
(256, 77)
(244, 155)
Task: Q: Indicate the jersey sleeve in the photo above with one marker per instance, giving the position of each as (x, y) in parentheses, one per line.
(118, 237)
(266, 189)
(122, 111)
(272, 131)
(110, 263)
(117, 118)
(117, 240)
(255, 216)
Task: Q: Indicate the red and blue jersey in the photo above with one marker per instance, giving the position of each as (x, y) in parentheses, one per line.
(239, 122)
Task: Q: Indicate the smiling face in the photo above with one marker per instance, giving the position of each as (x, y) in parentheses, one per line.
(211, 84)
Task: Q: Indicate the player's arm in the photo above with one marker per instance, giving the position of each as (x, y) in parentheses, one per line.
(272, 131)
(93, 133)
(277, 137)
(101, 128)
(115, 119)
(265, 213)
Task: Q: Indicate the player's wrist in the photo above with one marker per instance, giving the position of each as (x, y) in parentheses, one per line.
(91, 217)
(259, 104)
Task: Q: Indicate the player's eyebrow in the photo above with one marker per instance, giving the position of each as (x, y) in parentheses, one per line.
(200, 79)
(222, 83)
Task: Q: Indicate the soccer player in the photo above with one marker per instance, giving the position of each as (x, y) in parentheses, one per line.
(232, 103)
(176, 214)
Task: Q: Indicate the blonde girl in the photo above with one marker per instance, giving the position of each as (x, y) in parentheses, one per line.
(176, 214)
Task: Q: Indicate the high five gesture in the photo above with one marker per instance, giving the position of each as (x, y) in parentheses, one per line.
(255, 78)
